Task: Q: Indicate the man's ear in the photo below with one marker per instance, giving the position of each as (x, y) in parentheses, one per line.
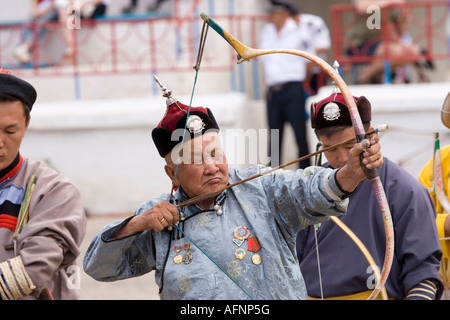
(170, 171)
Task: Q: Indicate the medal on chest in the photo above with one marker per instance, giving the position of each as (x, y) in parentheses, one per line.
(178, 257)
(241, 234)
(253, 246)
(187, 258)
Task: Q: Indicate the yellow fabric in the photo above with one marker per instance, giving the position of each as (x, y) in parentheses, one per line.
(440, 221)
(425, 177)
(356, 296)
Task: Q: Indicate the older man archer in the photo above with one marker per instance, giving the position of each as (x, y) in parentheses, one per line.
(237, 244)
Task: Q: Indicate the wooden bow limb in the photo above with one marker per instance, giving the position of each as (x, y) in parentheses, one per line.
(364, 250)
(380, 128)
(246, 53)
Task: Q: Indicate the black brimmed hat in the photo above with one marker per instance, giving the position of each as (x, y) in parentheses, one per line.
(200, 120)
(16, 87)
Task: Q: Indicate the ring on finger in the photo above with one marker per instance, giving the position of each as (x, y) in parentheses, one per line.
(162, 220)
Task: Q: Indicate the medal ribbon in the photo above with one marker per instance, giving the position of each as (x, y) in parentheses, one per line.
(253, 244)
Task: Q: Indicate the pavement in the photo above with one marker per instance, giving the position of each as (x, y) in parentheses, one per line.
(140, 288)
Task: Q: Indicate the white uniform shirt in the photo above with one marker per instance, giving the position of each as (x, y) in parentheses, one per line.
(281, 68)
(316, 31)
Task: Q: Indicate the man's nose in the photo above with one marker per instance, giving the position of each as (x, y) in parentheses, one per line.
(211, 166)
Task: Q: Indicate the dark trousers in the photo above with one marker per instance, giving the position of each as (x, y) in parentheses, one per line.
(287, 103)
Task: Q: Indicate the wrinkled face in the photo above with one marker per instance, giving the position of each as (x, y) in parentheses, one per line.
(338, 157)
(203, 167)
(13, 126)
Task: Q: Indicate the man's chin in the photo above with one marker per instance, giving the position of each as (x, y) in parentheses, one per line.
(215, 187)
(4, 163)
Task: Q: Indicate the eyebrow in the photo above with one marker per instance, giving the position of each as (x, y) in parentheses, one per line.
(11, 126)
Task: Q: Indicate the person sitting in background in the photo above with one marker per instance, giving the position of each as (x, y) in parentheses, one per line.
(368, 41)
(132, 7)
(92, 9)
(43, 11)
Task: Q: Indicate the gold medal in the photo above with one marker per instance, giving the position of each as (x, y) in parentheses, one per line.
(241, 233)
(178, 258)
(240, 253)
(256, 259)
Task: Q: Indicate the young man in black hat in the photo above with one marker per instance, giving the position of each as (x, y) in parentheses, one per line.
(40, 243)
(237, 243)
(414, 273)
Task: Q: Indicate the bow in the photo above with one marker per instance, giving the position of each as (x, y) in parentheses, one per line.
(245, 53)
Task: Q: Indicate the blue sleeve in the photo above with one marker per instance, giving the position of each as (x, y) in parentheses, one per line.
(109, 259)
(304, 197)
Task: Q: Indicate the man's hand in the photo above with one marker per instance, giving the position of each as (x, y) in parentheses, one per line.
(360, 157)
(156, 218)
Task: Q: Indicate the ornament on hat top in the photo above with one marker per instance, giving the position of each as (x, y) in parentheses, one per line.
(331, 111)
(194, 123)
(166, 93)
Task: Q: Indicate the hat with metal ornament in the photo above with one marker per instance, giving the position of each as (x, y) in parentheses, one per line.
(180, 121)
(16, 87)
(445, 112)
(333, 111)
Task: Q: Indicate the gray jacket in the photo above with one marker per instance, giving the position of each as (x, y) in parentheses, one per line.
(273, 208)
